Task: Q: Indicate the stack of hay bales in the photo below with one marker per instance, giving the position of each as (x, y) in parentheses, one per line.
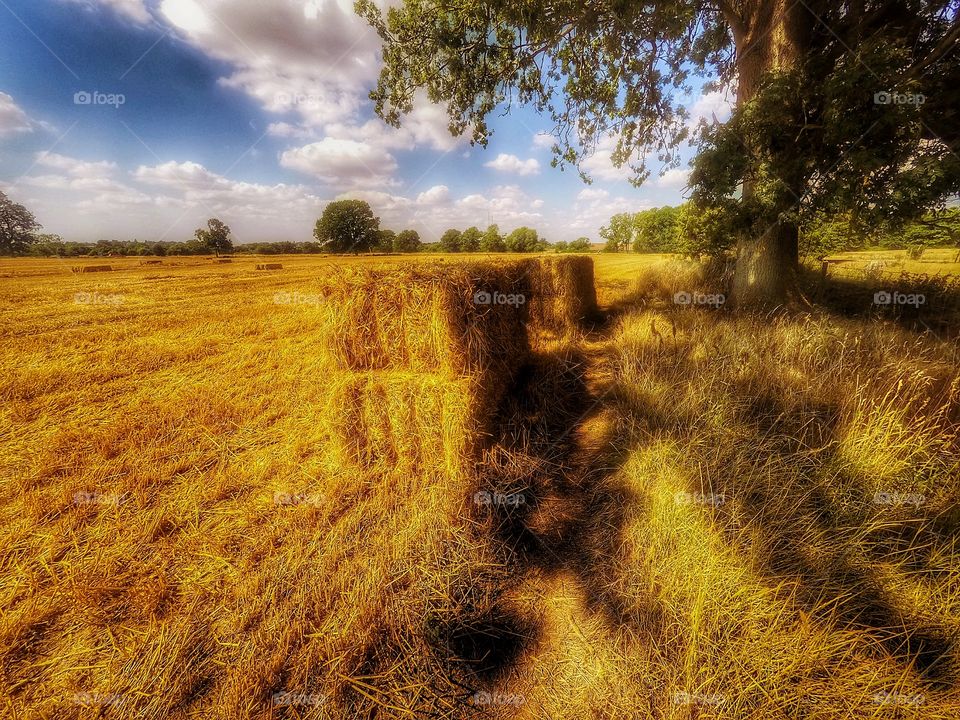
(91, 268)
(417, 366)
(563, 295)
(418, 357)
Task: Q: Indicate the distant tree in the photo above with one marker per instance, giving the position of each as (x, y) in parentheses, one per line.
(619, 233)
(522, 240)
(17, 227)
(492, 240)
(158, 249)
(347, 226)
(561, 246)
(216, 237)
(450, 241)
(386, 240)
(655, 230)
(407, 241)
(581, 244)
(470, 239)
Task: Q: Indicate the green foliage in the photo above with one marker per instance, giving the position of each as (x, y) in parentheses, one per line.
(347, 226)
(619, 233)
(580, 245)
(407, 241)
(655, 230)
(523, 240)
(450, 241)
(17, 227)
(492, 240)
(470, 239)
(561, 247)
(385, 241)
(216, 237)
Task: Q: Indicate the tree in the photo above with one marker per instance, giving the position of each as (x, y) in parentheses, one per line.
(655, 230)
(819, 123)
(561, 247)
(347, 226)
(17, 226)
(450, 241)
(522, 240)
(216, 237)
(470, 239)
(492, 240)
(158, 249)
(580, 245)
(619, 233)
(407, 241)
(386, 240)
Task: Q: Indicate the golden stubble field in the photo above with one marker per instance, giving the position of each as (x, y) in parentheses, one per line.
(688, 512)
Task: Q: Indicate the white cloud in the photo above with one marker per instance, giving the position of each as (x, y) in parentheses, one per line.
(12, 118)
(712, 105)
(674, 178)
(592, 194)
(599, 166)
(74, 167)
(344, 162)
(543, 140)
(507, 163)
(437, 195)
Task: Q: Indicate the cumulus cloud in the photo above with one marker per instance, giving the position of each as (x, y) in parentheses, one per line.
(507, 163)
(437, 195)
(13, 119)
(543, 140)
(590, 194)
(712, 105)
(344, 162)
(74, 167)
(674, 178)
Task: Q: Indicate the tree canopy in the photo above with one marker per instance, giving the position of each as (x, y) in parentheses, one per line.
(216, 236)
(347, 226)
(17, 227)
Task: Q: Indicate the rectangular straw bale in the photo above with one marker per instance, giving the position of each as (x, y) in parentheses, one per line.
(563, 293)
(414, 423)
(269, 266)
(91, 268)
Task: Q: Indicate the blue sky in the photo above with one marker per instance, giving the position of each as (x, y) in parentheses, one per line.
(142, 118)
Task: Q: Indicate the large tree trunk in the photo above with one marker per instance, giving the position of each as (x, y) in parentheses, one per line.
(770, 36)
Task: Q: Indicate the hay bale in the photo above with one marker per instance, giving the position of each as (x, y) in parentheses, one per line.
(268, 266)
(564, 295)
(151, 262)
(91, 268)
(224, 260)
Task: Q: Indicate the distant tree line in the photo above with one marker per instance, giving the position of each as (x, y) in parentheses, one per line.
(346, 226)
(690, 231)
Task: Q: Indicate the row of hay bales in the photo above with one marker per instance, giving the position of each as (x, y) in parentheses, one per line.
(420, 356)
